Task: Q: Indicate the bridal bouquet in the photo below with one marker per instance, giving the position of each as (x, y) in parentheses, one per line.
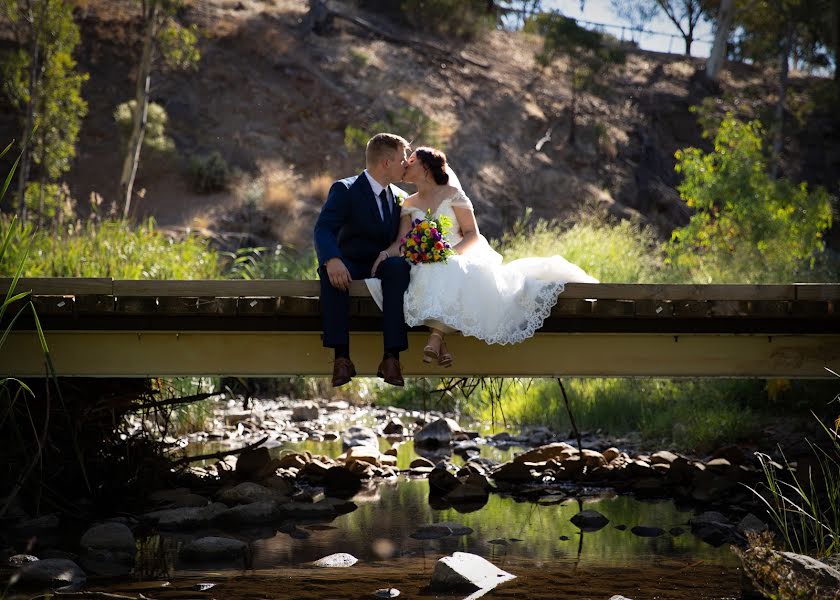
(426, 241)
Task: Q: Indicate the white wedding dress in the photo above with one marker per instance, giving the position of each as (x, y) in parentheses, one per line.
(476, 294)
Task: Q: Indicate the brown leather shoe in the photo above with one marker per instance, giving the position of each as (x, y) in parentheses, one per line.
(389, 370)
(343, 371)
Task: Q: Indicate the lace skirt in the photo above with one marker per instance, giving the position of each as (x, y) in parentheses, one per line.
(476, 294)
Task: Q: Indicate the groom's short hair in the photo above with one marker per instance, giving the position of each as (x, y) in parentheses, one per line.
(383, 144)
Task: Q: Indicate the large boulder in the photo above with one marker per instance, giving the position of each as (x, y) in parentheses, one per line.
(108, 549)
(186, 518)
(557, 451)
(246, 493)
(466, 572)
(437, 433)
(252, 462)
(54, 573)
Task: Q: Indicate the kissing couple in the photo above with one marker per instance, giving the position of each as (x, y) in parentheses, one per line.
(360, 234)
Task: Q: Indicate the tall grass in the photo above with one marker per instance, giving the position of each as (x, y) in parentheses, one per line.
(111, 248)
(621, 252)
(804, 503)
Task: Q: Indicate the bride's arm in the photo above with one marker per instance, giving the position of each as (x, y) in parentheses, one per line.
(394, 248)
(469, 229)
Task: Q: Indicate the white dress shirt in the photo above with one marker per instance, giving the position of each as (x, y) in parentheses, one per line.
(377, 189)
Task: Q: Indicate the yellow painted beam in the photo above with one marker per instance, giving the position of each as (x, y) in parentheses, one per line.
(158, 353)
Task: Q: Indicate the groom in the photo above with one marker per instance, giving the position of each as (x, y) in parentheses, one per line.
(357, 223)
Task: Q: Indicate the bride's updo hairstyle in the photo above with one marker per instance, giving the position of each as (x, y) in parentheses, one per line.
(435, 162)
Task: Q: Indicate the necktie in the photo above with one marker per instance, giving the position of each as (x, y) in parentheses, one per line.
(386, 208)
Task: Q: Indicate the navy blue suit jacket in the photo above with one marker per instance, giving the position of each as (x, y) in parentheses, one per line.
(349, 226)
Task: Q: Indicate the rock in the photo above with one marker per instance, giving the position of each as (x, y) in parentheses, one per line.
(18, 560)
(386, 593)
(40, 523)
(394, 427)
(359, 436)
(676, 531)
(712, 527)
(467, 493)
(437, 433)
(365, 453)
(589, 520)
(788, 575)
(305, 411)
(213, 549)
(338, 560)
(255, 513)
(185, 518)
(610, 454)
(557, 451)
(296, 460)
(593, 459)
(337, 405)
(246, 493)
(342, 478)
(513, 472)
(108, 549)
(251, 462)
(645, 531)
(279, 485)
(503, 436)
(750, 523)
(663, 457)
(442, 481)
(456, 528)
(467, 572)
(177, 498)
(617, 597)
(431, 532)
(55, 573)
(421, 462)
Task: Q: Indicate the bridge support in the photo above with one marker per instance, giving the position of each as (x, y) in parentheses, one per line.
(282, 353)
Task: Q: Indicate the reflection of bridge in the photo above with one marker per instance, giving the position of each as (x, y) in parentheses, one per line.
(109, 328)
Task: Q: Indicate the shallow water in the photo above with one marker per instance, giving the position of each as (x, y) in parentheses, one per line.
(535, 541)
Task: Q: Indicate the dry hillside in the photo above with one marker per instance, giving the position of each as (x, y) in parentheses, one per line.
(275, 99)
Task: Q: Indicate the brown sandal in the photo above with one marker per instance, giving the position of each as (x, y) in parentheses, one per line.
(429, 352)
(444, 357)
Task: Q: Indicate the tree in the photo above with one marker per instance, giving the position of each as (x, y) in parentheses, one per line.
(176, 45)
(783, 31)
(684, 14)
(589, 54)
(42, 82)
(637, 14)
(723, 25)
(748, 227)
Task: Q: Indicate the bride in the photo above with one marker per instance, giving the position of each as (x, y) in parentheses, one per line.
(472, 292)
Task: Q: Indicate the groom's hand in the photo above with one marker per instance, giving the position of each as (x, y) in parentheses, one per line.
(338, 274)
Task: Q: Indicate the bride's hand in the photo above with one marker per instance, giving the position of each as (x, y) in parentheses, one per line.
(382, 256)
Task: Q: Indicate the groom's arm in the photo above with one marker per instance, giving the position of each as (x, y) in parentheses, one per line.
(334, 214)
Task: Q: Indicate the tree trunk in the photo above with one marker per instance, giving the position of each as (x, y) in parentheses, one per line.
(688, 42)
(29, 120)
(778, 135)
(718, 53)
(141, 109)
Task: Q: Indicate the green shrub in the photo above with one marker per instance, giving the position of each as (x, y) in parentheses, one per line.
(209, 173)
(747, 226)
(155, 138)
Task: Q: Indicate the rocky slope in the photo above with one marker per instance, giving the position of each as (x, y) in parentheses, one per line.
(274, 99)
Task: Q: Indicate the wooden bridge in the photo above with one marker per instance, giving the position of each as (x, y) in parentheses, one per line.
(112, 328)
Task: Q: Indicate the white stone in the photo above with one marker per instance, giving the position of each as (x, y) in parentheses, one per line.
(463, 570)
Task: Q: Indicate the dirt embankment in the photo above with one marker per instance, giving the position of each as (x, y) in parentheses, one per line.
(275, 100)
